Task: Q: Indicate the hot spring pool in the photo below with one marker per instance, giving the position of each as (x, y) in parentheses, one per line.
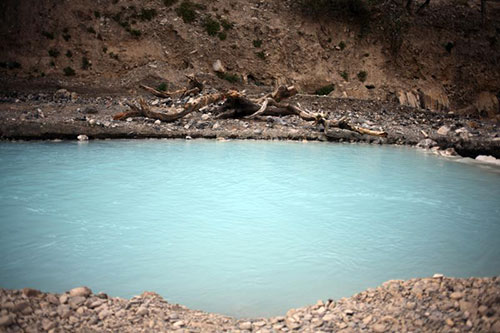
(240, 228)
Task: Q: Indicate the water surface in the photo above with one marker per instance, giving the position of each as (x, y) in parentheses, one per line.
(240, 228)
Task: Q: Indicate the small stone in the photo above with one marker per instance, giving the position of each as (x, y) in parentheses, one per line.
(104, 314)
(217, 67)
(63, 299)
(82, 137)
(6, 321)
(188, 137)
(367, 319)
(47, 325)
(29, 292)
(215, 126)
(80, 291)
(443, 130)
(426, 143)
(205, 116)
(92, 122)
(457, 295)
(329, 317)
(178, 324)
(21, 306)
(142, 311)
(438, 276)
(157, 122)
(259, 323)
(450, 322)
(379, 328)
(349, 312)
(483, 309)
(321, 311)
(90, 110)
(246, 325)
(52, 299)
(129, 119)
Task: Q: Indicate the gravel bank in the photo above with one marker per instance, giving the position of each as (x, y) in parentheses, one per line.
(65, 115)
(437, 304)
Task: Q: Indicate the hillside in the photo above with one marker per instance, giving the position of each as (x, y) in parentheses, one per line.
(443, 54)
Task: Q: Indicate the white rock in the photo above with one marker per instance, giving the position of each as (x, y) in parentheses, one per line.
(246, 325)
(80, 291)
(205, 116)
(488, 159)
(188, 137)
(157, 122)
(82, 137)
(217, 67)
(92, 122)
(443, 130)
(129, 120)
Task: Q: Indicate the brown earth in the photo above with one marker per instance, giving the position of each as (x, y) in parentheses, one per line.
(296, 48)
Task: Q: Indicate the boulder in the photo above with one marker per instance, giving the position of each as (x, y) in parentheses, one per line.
(427, 143)
(82, 137)
(434, 99)
(80, 291)
(29, 292)
(443, 130)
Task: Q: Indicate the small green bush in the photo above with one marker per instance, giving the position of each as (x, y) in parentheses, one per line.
(257, 43)
(342, 45)
(91, 30)
(323, 91)
(187, 11)
(233, 78)
(48, 35)
(68, 71)
(10, 64)
(69, 54)
(211, 26)
(113, 56)
(449, 46)
(344, 75)
(261, 55)
(134, 32)
(162, 87)
(97, 14)
(147, 14)
(85, 63)
(104, 49)
(362, 75)
(52, 63)
(169, 3)
(66, 37)
(227, 25)
(54, 53)
(222, 35)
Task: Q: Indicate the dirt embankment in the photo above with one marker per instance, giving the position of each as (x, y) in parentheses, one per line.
(444, 55)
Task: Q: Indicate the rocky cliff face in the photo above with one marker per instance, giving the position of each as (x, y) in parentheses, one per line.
(444, 59)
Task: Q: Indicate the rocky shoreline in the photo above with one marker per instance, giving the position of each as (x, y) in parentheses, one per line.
(66, 115)
(437, 304)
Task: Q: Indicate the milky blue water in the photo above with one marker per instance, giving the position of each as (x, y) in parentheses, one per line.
(240, 228)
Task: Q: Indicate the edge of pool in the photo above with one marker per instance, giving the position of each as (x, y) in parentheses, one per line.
(432, 304)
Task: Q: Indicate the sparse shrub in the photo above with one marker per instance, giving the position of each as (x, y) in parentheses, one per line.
(211, 26)
(344, 75)
(261, 55)
(48, 35)
(257, 43)
(362, 75)
(449, 46)
(222, 35)
(366, 55)
(233, 78)
(69, 54)
(342, 45)
(147, 14)
(97, 14)
(187, 11)
(134, 32)
(85, 63)
(169, 3)
(68, 71)
(10, 64)
(91, 30)
(66, 37)
(323, 91)
(54, 53)
(104, 49)
(52, 63)
(227, 25)
(162, 87)
(113, 55)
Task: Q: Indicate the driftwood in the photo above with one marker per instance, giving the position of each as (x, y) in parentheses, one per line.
(194, 87)
(237, 105)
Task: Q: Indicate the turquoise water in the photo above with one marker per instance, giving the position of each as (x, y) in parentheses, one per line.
(240, 228)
